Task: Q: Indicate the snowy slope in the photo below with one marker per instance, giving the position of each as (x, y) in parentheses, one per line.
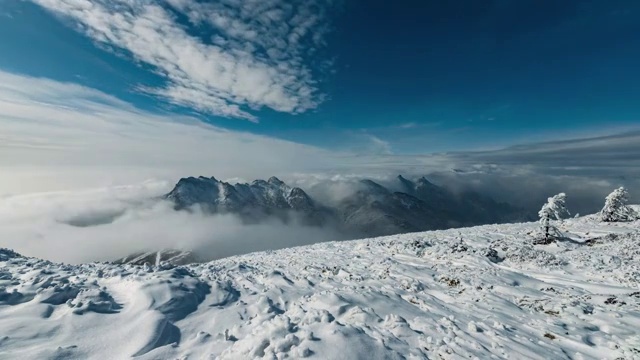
(480, 292)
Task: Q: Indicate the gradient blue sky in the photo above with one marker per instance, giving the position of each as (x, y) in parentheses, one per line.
(371, 76)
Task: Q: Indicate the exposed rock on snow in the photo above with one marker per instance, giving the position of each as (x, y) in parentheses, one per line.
(482, 292)
(174, 257)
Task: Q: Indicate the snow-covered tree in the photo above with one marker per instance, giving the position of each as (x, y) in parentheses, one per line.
(554, 209)
(615, 207)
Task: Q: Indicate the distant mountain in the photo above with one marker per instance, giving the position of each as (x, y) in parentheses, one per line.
(374, 210)
(252, 202)
(371, 210)
(461, 209)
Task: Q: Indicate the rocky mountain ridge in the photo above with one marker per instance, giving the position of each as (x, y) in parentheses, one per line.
(370, 210)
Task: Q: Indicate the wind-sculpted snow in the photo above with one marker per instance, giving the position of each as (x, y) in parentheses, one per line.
(483, 292)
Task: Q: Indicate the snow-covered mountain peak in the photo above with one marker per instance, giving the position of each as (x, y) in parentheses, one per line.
(191, 190)
(408, 184)
(373, 187)
(423, 182)
(275, 181)
(259, 197)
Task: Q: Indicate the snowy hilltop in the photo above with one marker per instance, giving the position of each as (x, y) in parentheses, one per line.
(480, 292)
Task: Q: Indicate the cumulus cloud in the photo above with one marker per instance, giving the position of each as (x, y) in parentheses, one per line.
(261, 53)
(60, 136)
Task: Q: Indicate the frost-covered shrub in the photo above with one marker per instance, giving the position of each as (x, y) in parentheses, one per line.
(418, 247)
(554, 209)
(527, 254)
(615, 207)
(458, 247)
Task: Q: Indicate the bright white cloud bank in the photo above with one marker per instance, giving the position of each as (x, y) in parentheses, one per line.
(109, 223)
(60, 136)
(258, 57)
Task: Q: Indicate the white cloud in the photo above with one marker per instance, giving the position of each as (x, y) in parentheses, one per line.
(57, 136)
(379, 146)
(109, 223)
(260, 56)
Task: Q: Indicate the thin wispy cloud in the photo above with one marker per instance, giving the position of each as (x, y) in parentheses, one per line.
(379, 146)
(260, 53)
(609, 156)
(409, 125)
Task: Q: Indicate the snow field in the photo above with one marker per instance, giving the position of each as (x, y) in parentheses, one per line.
(483, 292)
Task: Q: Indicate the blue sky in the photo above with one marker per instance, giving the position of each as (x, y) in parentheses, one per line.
(367, 76)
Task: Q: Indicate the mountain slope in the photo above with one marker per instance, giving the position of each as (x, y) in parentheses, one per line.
(374, 210)
(465, 208)
(477, 292)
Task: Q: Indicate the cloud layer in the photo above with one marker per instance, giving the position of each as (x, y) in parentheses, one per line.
(227, 58)
(109, 223)
(611, 156)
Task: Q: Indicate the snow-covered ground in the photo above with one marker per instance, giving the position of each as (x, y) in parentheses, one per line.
(482, 292)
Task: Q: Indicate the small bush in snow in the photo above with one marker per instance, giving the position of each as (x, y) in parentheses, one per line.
(615, 207)
(458, 247)
(527, 254)
(554, 209)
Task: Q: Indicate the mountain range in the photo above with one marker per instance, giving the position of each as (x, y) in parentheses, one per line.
(370, 210)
